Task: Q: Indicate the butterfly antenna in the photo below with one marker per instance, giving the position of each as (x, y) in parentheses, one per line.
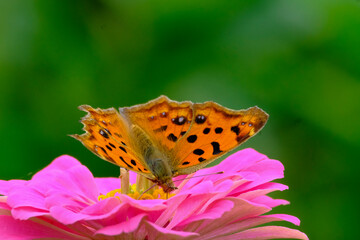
(199, 176)
(147, 190)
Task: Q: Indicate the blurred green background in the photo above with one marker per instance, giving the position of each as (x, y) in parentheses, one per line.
(298, 60)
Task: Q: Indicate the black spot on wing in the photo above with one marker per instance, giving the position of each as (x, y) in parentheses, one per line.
(161, 129)
(218, 130)
(216, 148)
(185, 163)
(200, 119)
(124, 150)
(172, 137)
(198, 151)
(103, 150)
(133, 162)
(200, 159)
(179, 120)
(192, 138)
(103, 133)
(122, 159)
(107, 130)
(206, 130)
(112, 145)
(108, 147)
(182, 133)
(235, 129)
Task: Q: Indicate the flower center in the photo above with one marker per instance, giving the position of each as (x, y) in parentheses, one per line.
(141, 190)
(133, 193)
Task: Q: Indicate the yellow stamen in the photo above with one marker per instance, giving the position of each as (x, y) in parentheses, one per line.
(136, 190)
(158, 193)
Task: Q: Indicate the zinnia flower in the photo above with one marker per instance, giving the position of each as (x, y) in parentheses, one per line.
(65, 201)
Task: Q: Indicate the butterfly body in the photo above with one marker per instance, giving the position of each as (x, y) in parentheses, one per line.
(164, 138)
(156, 160)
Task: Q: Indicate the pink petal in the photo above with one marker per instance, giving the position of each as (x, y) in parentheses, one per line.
(28, 230)
(105, 185)
(156, 232)
(24, 213)
(249, 195)
(248, 223)
(3, 204)
(242, 209)
(124, 227)
(267, 232)
(144, 205)
(63, 163)
(214, 211)
(188, 208)
(270, 202)
(241, 160)
(6, 186)
(100, 210)
(172, 205)
(76, 180)
(26, 197)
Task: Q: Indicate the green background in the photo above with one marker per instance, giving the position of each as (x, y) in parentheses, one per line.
(298, 60)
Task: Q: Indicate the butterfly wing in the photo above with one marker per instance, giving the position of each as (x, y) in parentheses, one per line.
(194, 135)
(214, 131)
(163, 120)
(107, 134)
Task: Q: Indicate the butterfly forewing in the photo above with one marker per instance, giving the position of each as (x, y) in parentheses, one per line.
(107, 136)
(163, 120)
(214, 131)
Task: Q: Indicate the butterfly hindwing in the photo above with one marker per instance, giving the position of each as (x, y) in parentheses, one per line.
(107, 135)
(214, 131)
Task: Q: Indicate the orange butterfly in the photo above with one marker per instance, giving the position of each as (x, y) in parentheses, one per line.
(162, 139)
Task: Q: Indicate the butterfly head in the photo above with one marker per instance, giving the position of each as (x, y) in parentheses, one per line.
(167, 185)
(162, 173)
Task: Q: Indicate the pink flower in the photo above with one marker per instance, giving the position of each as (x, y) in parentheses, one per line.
(61, 201)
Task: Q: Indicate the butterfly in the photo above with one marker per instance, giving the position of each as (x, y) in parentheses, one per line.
(162, 138)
